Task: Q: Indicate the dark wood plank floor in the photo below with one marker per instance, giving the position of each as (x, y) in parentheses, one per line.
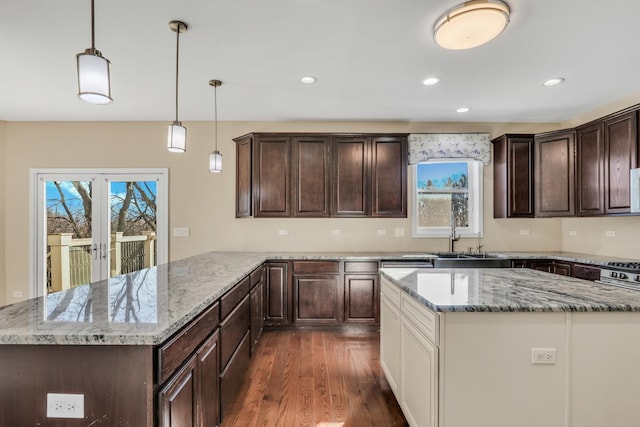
(316, 379)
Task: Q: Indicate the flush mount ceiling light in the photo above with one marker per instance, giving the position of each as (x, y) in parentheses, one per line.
(471, 24)
(463, 109)
(94, 84)
(431, 81)
(554, 81)
(308, 80)
(215, 158)
(177, 136)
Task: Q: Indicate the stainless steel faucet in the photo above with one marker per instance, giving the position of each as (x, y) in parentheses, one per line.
(452, 233)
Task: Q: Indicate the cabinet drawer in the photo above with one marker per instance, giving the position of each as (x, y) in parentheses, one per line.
(390, 291)
(177, 349)
(233, 297)
(587, 272)
(232, 378)
(423, 319)
(256, 276)
(315, 267)
(232, 329)
(361, 266)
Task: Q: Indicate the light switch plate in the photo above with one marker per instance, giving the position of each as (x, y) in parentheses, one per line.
(181, 231)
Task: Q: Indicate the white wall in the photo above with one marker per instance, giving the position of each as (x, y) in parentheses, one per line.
(205, 202)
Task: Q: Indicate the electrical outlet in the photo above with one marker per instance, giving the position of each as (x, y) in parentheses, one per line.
(610, 233)
(543, 356)
(65, 405)
(17, 294)
(399, 232)
(524, 232)
(381, 232)
(181, 231)
(573, 233)
(336, 232)
(283, 232)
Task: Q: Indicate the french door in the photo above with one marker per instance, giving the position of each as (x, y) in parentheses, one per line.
(90, 225)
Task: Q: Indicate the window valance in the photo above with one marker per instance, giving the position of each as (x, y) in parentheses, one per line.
(428, 146)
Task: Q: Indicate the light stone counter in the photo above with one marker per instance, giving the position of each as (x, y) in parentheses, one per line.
(148, 306)
(509, 290)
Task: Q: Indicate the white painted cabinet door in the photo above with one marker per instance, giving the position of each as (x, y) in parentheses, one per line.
(418, 377)
(390, 341)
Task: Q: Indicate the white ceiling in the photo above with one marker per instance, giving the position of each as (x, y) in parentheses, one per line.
(370, 57)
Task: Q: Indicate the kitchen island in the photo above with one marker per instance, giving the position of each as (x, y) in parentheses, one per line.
(510, 347)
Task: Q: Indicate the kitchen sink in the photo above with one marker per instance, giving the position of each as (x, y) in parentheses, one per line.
(470, 260)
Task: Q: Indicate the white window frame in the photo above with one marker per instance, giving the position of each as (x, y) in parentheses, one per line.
(475, 179)
(106, 175)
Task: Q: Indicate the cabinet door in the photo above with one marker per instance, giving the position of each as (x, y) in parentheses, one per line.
(361, 298)
(590, 170)
(418, 377)
(317, 300)
(243, 177)
(587, 272)
(555, 174)
(310, 176)
(233, 376)
(271, 184)
(620, 144)
(177, 399)
(350, 176)
(208, 371)
(513, 176)
(257, 313)
(389, 176)
(561, 268)
(390, 341)
(276, 294)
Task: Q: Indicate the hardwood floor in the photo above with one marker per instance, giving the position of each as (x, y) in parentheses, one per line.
(316, 379)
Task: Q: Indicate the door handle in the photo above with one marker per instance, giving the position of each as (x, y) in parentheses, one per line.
(94, 249)
(103, 250)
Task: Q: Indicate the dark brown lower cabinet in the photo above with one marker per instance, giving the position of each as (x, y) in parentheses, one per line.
(317, 300)
(587, 272)
(555, 267)
(361, 302)
(191, 396)
(233, 375)
(257, 313)
(276, 293)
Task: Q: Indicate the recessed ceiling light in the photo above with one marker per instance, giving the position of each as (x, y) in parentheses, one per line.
(463, 109)
(554, 81)
(308, 80)
(471, 24)
(431, 81)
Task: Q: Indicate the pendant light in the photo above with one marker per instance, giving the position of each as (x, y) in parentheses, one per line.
(215, 158)
(94, 75)
(177, 136)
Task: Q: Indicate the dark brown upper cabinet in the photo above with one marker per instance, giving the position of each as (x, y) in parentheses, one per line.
(389, 176)
(555, 174)
(271, 166)
(590, 169)
(620, 156)
(606, 152)
(513, 176)
(321, 175)
(243, 177)
(350, 176)
(310, 172)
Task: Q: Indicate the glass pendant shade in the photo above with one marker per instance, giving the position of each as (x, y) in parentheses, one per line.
(94, 84)
(177, 138)
(215, 162)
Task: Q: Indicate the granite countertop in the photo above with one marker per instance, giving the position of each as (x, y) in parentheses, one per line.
(148, 306)
(509, 290)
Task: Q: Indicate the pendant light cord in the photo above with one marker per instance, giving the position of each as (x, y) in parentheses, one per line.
(177, 58)
(93, 31)
(215, 113)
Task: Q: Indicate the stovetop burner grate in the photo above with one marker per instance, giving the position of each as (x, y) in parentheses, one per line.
(627, 266)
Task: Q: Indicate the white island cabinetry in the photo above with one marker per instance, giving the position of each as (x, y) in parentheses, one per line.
(470, 363)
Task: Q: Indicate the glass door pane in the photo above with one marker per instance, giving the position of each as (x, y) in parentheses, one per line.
(70, 250)
(133, 225)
